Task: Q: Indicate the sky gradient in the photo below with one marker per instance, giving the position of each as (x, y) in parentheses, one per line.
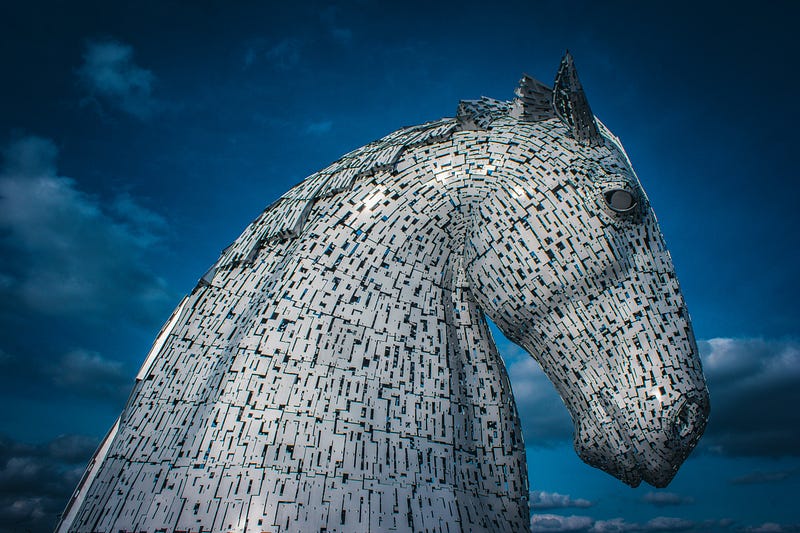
(138, 141)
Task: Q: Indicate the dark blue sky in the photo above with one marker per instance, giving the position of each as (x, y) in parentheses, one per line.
(139, 140)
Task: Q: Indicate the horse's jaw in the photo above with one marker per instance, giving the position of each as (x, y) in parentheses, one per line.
(632, 418)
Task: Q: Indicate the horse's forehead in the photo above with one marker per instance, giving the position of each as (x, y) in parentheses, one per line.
(557, 149)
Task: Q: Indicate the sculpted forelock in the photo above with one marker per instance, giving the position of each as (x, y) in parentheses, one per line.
(334, 371)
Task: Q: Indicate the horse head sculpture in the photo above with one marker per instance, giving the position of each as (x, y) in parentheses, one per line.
(566, 257)
(334, 370)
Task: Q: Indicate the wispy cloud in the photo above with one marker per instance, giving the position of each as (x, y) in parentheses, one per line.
(285, 54)
(88, 373)
(759, 477)
(660, 523)
(339, 33)
(773, 527)
(540, 499)
(665, 499)
(562, 524)
(755, 390)
(65, 253)
(112, 79)
(319, 128)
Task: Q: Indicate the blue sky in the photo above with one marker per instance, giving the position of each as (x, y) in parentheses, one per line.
(138, 141)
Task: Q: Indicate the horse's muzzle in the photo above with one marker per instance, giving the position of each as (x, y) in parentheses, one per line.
(683, 425)
(634, 453)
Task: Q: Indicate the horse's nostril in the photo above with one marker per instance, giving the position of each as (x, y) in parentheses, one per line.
(684, 422)
(689, 421)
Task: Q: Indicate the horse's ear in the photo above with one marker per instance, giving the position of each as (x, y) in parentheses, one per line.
(571, 105)
(533, 102)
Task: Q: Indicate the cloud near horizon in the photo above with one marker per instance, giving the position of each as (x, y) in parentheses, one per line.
(37, 480)
(554, 523)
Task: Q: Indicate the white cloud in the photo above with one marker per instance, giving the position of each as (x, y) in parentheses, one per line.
(64, 253)
(660, 523)
(552, 500)
(111, 77)
(557, 523)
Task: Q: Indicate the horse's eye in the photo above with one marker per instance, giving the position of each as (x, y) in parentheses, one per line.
(620, 200)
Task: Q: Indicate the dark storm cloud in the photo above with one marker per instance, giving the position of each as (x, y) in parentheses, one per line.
(759, 477)
(112, 79)
(66, 253)
(545, 419)
(89, 374)
(37, 480)
(664, 499)
(755, 389)
(540, 499)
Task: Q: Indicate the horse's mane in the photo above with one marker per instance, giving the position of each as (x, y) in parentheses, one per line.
(284, 218)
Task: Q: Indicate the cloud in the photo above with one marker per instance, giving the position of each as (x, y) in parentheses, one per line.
(112, 78)
(88, 373)
(664, 499)
(284, 55)
(319, 128)
(755, 389)
(552, 500)
(337, 32)
(558, 524)
(65, 253)
(660, 523)
(545, 419)
(37, 480)
(772, 527)
(759, 477)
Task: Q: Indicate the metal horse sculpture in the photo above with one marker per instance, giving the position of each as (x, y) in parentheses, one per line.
(334, 371)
